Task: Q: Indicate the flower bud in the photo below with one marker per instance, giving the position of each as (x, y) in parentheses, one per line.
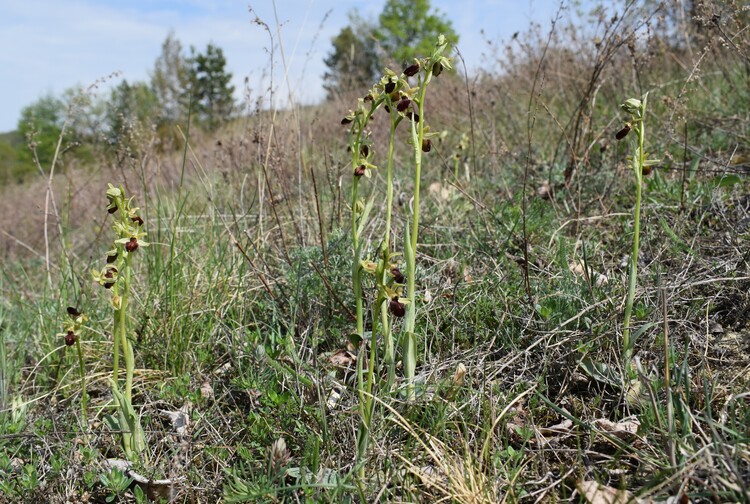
(411, 70)
(632, 106)
(437, 68)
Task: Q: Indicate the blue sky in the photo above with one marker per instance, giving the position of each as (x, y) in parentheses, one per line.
(52, 45)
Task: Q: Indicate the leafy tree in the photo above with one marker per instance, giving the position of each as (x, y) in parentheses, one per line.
(202, 76)
(170, 81)
(353, 63)
(40, 125)
(213, 96)
(10, 168)
(408, 29)
(129, 107)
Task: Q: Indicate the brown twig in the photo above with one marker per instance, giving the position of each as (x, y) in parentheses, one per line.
(320, 218)
(331, 291)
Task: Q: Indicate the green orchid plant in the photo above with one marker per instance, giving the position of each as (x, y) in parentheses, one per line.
(636, 110)
(73, 329)
(402, 96)
(116, 276)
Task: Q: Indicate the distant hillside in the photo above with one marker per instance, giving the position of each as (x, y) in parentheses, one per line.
(13, 138)
(11, 144)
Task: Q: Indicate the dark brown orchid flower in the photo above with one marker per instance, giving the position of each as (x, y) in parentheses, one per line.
(623, 132)
(396, 307)
(397, 275)
(132, 245)
(411, 70)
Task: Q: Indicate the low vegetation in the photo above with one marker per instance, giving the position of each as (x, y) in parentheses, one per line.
(529, 284)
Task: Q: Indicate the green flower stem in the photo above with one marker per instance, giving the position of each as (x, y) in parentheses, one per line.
(389, 357)
(356, 267)
(129, 238)
(366, 398)
(409, 342)
(116, 341)
(82, 370)
(127, 346)
(364, 389)
(638, 163)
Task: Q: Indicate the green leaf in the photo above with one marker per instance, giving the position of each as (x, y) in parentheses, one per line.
(601, 372)
(726, 180)
(640, 332)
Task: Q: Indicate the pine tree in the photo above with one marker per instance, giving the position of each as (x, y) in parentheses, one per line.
(213, 95)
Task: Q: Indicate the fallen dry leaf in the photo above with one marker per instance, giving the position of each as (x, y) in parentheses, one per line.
(596, 493)
(180, 419)
(155, 489)
(578, 269)
(544, 191)
(342, 358)
(563, 427)
(440, 192)
(467, 275)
